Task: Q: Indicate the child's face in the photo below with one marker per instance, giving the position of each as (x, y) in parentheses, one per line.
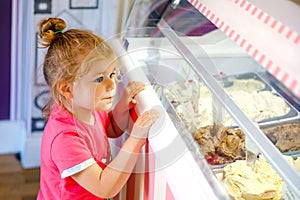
(96, 89)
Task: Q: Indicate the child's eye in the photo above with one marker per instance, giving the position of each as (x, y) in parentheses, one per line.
(99, 79)
(112, 75)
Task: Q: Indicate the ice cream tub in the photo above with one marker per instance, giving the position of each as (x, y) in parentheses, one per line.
(249, 81)
(244, 182)
(285, 135)
(261, 181)
(272, 107)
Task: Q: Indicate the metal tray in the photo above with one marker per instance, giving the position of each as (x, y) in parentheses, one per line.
(292, 114)
(266, 127)
(281, 89)
(227, 79)
(218, 173)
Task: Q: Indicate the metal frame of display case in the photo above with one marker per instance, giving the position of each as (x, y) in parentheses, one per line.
(250, 128)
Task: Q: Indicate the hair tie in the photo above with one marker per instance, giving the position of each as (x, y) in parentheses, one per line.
(56, 32)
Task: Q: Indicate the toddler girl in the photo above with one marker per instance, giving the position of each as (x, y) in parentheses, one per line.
(80, 69)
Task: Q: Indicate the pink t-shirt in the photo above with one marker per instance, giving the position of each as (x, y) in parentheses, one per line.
(68, 147)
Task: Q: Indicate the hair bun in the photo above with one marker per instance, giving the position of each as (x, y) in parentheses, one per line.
(48, 29)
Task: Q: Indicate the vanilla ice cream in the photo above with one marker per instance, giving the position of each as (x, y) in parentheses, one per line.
(244, 183)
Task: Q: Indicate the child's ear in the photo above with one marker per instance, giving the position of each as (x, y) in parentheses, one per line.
(65, 89)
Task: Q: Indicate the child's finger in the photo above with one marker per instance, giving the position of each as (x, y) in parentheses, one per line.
(137, 90)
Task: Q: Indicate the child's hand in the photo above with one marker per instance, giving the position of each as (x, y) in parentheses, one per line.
(121, 112)
(142, 125)
(132, 89)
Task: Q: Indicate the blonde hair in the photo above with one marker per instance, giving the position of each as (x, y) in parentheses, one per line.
(69, 55)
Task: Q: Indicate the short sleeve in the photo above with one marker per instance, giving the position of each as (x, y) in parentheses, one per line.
(70, 154)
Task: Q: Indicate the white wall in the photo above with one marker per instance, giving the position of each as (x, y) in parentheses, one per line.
(16, 134)
(12, 133)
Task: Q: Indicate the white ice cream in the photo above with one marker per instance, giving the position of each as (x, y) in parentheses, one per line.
(247, 94)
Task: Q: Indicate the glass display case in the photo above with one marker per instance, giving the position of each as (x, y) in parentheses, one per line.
(229, 125)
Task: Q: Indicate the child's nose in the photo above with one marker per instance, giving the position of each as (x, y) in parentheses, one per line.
(110, 84)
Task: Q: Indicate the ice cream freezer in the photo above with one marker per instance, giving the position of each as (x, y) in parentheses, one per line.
(229, 127)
